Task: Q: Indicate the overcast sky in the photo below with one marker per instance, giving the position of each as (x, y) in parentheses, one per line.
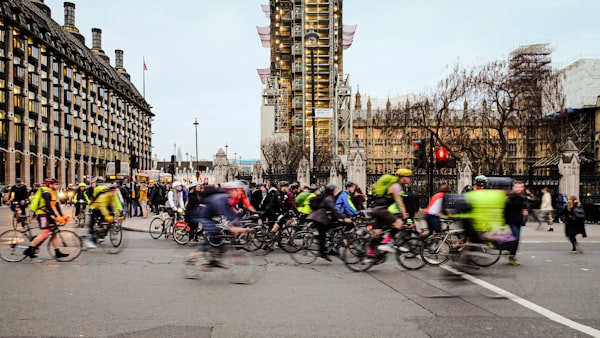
(202, 55)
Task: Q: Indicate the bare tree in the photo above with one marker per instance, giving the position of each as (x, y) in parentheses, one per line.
(282, 154)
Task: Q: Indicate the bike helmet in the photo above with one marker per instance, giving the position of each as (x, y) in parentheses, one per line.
(284, 184)
(350, 184)
(480, 180)
(329, 189)
(294, 186)
(50, 180)
(232, 185)
(82, 185)
(404, 172)
(313, 188)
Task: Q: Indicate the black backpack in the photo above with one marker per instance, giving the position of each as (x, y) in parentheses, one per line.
(316, 202)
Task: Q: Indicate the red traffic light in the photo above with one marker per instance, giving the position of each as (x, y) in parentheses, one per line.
(441, 154)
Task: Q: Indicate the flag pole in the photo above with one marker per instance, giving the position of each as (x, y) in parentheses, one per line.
(144, 78)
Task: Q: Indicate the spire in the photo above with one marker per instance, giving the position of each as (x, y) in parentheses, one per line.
(358, 104)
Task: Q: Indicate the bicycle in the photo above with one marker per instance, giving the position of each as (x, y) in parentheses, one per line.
(407, 244)
(304, 245)
(20, 218)
(80, 219)
(265, 239)
(451, 244)
(225, 259)
(14, 242)
(116, 240)
(161, 225)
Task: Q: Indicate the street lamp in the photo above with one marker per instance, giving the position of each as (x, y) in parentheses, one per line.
(196, 127)
(312, 39)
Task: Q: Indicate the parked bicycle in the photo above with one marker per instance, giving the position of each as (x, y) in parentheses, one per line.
(14, 242)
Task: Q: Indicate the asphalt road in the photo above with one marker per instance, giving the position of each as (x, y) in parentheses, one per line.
(141, 293)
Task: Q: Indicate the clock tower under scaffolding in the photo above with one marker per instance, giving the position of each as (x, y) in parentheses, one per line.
(287, 106)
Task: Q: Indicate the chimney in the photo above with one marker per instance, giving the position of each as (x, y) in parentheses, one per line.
(97, 43)
(70, 21)
(119, 64)
(69, 15)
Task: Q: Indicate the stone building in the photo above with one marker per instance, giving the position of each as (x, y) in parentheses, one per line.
(65, 111)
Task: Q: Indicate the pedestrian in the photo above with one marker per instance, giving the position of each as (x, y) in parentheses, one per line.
(546, 210)
(574, 217)
(561, 202)
(144, 199)
(515, 215)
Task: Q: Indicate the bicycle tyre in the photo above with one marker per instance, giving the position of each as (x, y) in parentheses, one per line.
(435, 251)
(181, 236)
(81, 219)
(285, 237)
(156, 228)
(410, 259)
(308, 247)
(12, 245)
(354, 254)
(67, 242)
(485, 255)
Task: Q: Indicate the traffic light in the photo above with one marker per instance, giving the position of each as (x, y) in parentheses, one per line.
(441, 157)
(171, 169)
(420, 153)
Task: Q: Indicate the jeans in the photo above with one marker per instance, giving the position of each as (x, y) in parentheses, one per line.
(516, 231)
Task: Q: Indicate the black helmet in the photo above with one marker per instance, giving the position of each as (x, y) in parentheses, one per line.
(480, 180)
(313, 187)
(294, 185)
(329, 189)
(350, 184)
(284, 184)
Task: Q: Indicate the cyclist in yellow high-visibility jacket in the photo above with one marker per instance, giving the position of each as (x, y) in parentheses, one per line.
(106, 205)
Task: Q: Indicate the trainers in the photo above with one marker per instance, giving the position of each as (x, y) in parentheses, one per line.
(30, 252)
(90, 245)
(387, 248)
(386, 240)
(60, 254)
(573, 251)
(513, 261)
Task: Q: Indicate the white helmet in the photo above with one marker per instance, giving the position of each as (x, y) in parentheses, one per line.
(176, 184)
(232, 185)
(480, 180)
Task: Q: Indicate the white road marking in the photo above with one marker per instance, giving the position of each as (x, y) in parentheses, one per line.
(532, 306)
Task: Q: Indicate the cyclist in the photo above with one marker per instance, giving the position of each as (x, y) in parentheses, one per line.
(175, 199)
(79, 198)
(106, 205)
(325, 215)
(480, 182)
(239, 199)
(288, 198)
(387, 206)
(258, 196)
(435, 209)
(275, 209)
(303, 198)
(48, 213)
(216, 204)
(344, 200)
(18, 196)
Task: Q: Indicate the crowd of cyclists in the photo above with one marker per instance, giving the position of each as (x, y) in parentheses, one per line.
(486, 207)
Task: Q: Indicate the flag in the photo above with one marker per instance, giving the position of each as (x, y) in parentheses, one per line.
(145, 67)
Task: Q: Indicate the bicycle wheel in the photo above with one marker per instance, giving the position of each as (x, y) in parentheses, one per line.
(12, 245)
(181, 235)
(156, 228)
(354, 254)
(114, 241)
(285, 238)
(483, 254)
(435, 251)
(409, 253)
(308, 247)
(81, 219)
(66, 242)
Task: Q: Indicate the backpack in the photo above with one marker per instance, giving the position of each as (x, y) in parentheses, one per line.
(37, 197)
(315, 202)
(578, 214)
(383, 183)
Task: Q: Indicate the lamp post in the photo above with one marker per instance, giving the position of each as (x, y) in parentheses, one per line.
(196, 127)
(312, 38)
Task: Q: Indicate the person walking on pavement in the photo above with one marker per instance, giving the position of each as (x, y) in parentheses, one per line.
(546, 210)
(574, 222)
(561, 202)
(515, 215)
